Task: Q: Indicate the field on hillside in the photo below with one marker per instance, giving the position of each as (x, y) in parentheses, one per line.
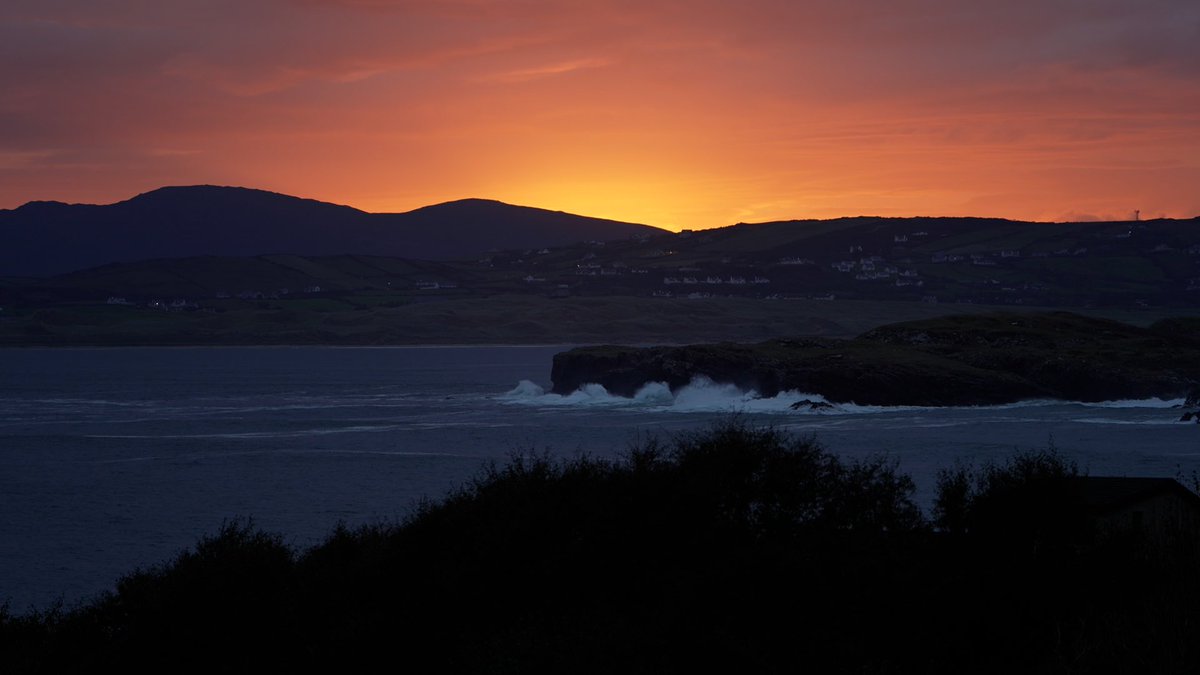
(509, 319)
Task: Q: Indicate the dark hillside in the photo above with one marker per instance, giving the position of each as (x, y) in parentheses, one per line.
(46, 238)
(212, 276)
(512, 249)
(488, 225)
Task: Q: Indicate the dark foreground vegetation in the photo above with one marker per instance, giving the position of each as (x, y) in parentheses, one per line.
(732, 550)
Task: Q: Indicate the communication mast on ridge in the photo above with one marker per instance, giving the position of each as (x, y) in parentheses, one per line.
(1137, 214)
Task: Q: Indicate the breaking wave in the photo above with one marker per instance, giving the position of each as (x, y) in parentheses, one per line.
(700, 395)
(1139, 403)
(1139, 423)
(706, 396)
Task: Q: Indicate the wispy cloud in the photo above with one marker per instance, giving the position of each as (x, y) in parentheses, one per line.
(549, 70)
(23, 160)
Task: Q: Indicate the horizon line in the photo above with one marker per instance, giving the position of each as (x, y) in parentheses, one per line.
(571, 213)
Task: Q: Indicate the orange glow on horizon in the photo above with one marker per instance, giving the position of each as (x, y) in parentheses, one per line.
(691, 115)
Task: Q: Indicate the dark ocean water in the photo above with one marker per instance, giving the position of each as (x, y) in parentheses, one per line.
(111, 459)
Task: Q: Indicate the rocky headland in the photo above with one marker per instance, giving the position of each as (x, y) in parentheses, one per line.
(956, 360)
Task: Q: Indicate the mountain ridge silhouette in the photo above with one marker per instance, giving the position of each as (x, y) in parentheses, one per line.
(51, 237)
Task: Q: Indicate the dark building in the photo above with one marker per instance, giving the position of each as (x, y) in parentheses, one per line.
(1160, 510)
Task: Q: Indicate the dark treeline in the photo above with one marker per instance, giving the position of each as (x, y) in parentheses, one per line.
(735, 549)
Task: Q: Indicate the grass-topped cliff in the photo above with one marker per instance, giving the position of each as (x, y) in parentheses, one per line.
(957, 360)
(735, 550)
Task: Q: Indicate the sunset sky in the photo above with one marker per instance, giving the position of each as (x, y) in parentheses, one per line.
(677, 113)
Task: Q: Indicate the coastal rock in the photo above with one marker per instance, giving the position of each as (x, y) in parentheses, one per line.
(863, 374)
(808, 404)
(975, 360)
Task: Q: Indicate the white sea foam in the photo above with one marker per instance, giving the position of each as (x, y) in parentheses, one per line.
(702, 395)
(525, 389)
(529, 393)
(1139, 403)
(1136, 423)
(1125, 403)
(654, 393)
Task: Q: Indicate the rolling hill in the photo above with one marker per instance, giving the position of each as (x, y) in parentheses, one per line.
(603, 281)
(960, 260)
(49, 238)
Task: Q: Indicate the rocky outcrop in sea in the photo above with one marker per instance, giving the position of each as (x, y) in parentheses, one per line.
(957, 360)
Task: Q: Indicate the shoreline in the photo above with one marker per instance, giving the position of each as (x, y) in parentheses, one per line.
(315, 345)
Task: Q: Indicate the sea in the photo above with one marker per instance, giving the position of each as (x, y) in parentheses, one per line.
(117, 459)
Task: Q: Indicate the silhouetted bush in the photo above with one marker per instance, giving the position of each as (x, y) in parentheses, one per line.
(1031, 495)
(736, 549)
